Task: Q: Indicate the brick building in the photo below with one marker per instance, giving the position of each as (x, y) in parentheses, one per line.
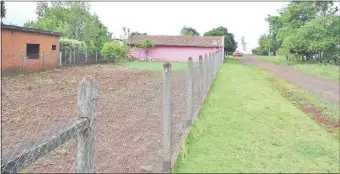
(28, 50)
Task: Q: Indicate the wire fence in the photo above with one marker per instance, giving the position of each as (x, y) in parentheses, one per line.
(139, 125)
(21, 62)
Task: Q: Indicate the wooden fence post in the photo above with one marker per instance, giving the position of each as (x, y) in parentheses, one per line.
(201, 79)
(22, 62)
(189, 92)
(86, 108)
(167, 118)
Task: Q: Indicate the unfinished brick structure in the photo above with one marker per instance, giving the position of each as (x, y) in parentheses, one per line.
(28, 50)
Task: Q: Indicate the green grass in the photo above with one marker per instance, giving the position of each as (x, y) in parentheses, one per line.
(331, 72)
(151, 66)
(296, 95)
(246, 126)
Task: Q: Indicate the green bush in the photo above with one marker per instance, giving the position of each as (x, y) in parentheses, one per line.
(114, 50)
(71, 44)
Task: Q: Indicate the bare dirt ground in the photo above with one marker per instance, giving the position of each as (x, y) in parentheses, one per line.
(310, 83)
(129, 116)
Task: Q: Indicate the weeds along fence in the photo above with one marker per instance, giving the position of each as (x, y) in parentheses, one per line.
(81, 128)
(139, 125)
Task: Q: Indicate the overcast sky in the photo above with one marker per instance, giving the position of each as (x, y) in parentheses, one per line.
(167, 18)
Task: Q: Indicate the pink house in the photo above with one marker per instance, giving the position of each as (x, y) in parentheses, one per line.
(176, 48)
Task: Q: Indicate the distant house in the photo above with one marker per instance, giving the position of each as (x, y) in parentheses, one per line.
(176, 48)
(28, 49)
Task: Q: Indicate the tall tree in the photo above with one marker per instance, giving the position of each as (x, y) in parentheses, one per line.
(3, 9)
(41, 8)
(229, 42)
(74, 20)
(189, 31)
(243, 42)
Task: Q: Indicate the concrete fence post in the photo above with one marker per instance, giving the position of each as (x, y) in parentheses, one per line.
(201, 79)
(206, 82)
(74, 57)
(22, 62)
(86, 108)
(210, 70)
(70, 58)
(43, 60)
(96, 57)
(167, 107)
(86, 57)
(189, 92)
(60, 58)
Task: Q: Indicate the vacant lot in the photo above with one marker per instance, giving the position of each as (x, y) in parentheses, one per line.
(331, 72)
(246, 126)
(129, 114)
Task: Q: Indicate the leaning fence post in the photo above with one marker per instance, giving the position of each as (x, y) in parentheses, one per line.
(86, 108)
(167, 118)
(22, 62)
(201, 79)
(189, 92)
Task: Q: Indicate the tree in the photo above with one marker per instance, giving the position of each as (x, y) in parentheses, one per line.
(243, 44)
(189, 31)
(230, 45)
(304, 31)
(137, 33)
(3, 9)
(114, 50)
(41, 8)
(74, 20)
(146, 45)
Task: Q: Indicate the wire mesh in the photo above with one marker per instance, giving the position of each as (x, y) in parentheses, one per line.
(128, 128)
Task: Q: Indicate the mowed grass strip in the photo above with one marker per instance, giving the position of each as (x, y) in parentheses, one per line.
(331, 72)
(246, 126)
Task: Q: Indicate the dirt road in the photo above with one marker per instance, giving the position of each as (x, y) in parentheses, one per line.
(311, 83)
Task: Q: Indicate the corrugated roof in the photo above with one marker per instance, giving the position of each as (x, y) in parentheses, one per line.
(195, 41)
(31, 30)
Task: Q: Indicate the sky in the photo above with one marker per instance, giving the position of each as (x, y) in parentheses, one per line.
(243, 19)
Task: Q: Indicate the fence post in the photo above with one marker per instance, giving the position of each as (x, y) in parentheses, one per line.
(74, 57)
(43, 61)
(70, 57)
(189, 92)
(210, 71)
(201, 79)
(86, 57)
(167, 118)
(22, 62)
(206, 66)
(60, 58)
(86, 108)
(96, 58)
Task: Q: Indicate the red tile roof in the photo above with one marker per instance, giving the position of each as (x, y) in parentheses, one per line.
(195, 41)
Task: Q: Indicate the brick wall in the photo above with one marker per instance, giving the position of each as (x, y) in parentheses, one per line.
(14, 45)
